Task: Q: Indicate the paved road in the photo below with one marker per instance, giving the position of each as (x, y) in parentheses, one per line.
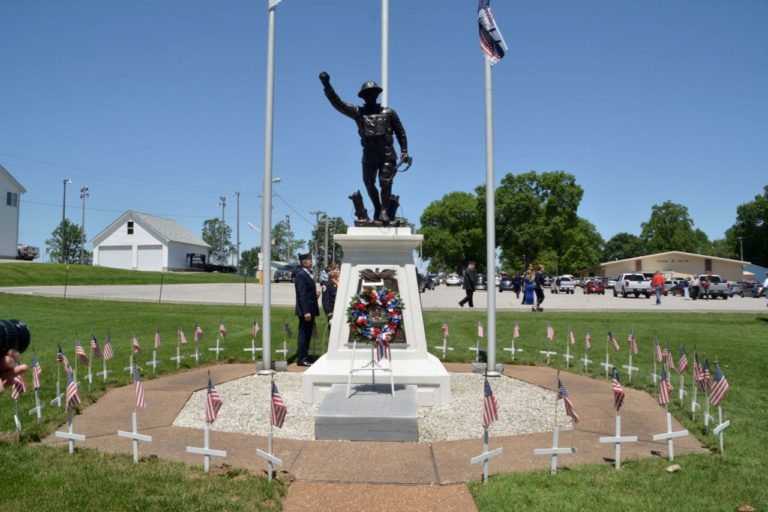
(441, 298)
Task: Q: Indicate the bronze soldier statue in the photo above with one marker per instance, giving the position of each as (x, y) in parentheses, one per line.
(375, 125)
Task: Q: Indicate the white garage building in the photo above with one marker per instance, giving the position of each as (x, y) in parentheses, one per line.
(10, 202)
(139, 241)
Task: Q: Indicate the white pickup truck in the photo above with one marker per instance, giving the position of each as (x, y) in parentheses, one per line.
(717, 287)
(634, 283)
(27, 252)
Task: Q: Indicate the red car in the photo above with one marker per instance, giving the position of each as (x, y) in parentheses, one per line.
(594, 287)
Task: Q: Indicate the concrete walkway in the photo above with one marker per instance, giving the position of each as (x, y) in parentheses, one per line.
(341, 475)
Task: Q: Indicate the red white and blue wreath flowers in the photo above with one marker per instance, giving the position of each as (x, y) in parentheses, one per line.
(375, 315)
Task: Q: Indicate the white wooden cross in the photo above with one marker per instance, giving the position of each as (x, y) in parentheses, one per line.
(104, 372)
(89, 375)
(567, 356)
(681, 392)
(17, 420)
(197, 354)
(217, 348)
(486, 455)
(555, 450)
(283, 350)
(585, 361)
(129, 368)
(617, 439)
(718, 431)
(547, 354)
(694, 401)
(445, 348)
(476, 350)
(669, 436)
(271, 460)
(607, 364)
(135, 436)
(38, 408)
(154, 362)
(206, 451)
(59, 395)
(630, 368)
(178, 357)
(512, 349)
(70, 436)
(253, 349)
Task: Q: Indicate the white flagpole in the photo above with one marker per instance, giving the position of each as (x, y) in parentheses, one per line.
(490, 221)
(385, 52)
(266, 213)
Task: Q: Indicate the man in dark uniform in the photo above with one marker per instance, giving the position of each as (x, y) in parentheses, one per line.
(540, 281)
(375, 125)
(468, 283)
(306, 306)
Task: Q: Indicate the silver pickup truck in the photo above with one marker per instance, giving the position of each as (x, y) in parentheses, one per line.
(717, 287)
(634, 283)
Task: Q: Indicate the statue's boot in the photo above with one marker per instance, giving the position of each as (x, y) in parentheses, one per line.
(386, 195)
(374, 195)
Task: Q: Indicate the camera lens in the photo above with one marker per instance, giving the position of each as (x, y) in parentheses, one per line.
(13, 334)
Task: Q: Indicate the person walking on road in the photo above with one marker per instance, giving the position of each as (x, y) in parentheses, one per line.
(658, 285)
(539, 282)
(468, 283)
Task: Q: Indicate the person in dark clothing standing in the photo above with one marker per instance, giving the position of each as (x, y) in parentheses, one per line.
(306, 307)
(517, 284)
(468, 283)
(329, 288)
(539, 281)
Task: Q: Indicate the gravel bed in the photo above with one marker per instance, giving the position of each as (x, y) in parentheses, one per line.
(523, 408)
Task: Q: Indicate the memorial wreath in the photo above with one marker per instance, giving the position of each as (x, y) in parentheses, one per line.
(375, 315)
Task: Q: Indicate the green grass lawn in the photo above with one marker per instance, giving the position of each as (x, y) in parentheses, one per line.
(709, 481)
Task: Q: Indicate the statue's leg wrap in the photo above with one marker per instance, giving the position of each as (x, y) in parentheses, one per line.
(369, 180)
(386, 177)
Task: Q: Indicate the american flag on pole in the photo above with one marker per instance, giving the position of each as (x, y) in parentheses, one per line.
(587, 341)
(95, 351)
(279, 410)
(108, 353)
(19, 386)
(706, 382)
(287, 329)
(657, 349)
(613, 340)
(669, 360)
(490, 407)
(445, 330)
(720, 387)
(516, 331)
(61, 357)
(157, 337)
(682, 362)
(632, 342)
(571, 337)
(73, 395)
(135, 344)
(569, 410)
(698, 373)
(491, 41)
(198, 333)
(182, 337)
(37, 371)
(139, 387)
(80, 352)
(255, 329)
(664, 388)
(618, 391)
(212, 402)
(222, 329)
(480, 332)
(550, 332)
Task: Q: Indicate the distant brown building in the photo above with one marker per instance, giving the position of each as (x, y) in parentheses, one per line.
(673, 264)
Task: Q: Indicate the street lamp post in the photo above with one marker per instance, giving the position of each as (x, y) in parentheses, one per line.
(63, 217)
(223, 204)
(83, 195)
(741, 248)
(237, 256)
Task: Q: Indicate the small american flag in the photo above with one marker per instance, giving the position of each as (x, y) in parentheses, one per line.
(618, 391)
(212, 402)
(139, 387)
(37, 371)
(706, 382)
(198, 333)
(569, 410)
(19, 386)
(108, 353)
(182, 337)
(698, 373)
(632, 342)
(60, 357)
(279, 410)
(490, 407)
(480, 331)
(550, 332)
(669, 361)
(657, 348)
(222, 329)
(613, 340)
(682, 362)
(157, 337)
(516, 331)
(491, 41)
(95, 351)
(80, 352)
(571, 337)
(255, 329)
(587, 341)
(73, 395)
(664, 388)
(287, 329)
(719, 388)
(135, 344)
(445, 330)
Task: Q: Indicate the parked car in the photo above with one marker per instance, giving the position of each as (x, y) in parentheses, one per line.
(453, 280)
(610, 282)
(750, 290)
(717, 286)
(481, 284)
(595, 286)
(425, 282)
(285, 272)
(505, 284)
(436, 279)
(632, 284)
(27, 252)
(566, 285)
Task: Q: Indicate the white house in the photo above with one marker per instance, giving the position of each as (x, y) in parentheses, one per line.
(144, 242)
(10, 195)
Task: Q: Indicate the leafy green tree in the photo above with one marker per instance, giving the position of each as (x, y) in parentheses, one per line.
(670, 228)
(583, 247)
(218, 235)
(622, 246)
(723, 248)
(752, 226)
(249, 260)
(284, 245)
(336, 225)
(67, 250)
(453, 231)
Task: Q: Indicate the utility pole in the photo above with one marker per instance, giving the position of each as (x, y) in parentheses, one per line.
(63, 218)
(325, 252)
(223, 204)
(83, 195)
(237, 256)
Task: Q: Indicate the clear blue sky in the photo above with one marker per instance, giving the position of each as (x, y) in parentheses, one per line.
(158, 105)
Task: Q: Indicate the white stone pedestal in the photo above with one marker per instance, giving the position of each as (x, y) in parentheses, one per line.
(379, 248)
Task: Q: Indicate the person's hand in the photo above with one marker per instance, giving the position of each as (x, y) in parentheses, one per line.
(307, 316)
(325, 78)
(10, 368)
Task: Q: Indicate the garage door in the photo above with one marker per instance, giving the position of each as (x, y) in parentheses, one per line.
(118, 256)
(150, 257)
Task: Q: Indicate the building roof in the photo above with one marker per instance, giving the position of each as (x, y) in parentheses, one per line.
(166, 230)
(9, 177)
(674, 252)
